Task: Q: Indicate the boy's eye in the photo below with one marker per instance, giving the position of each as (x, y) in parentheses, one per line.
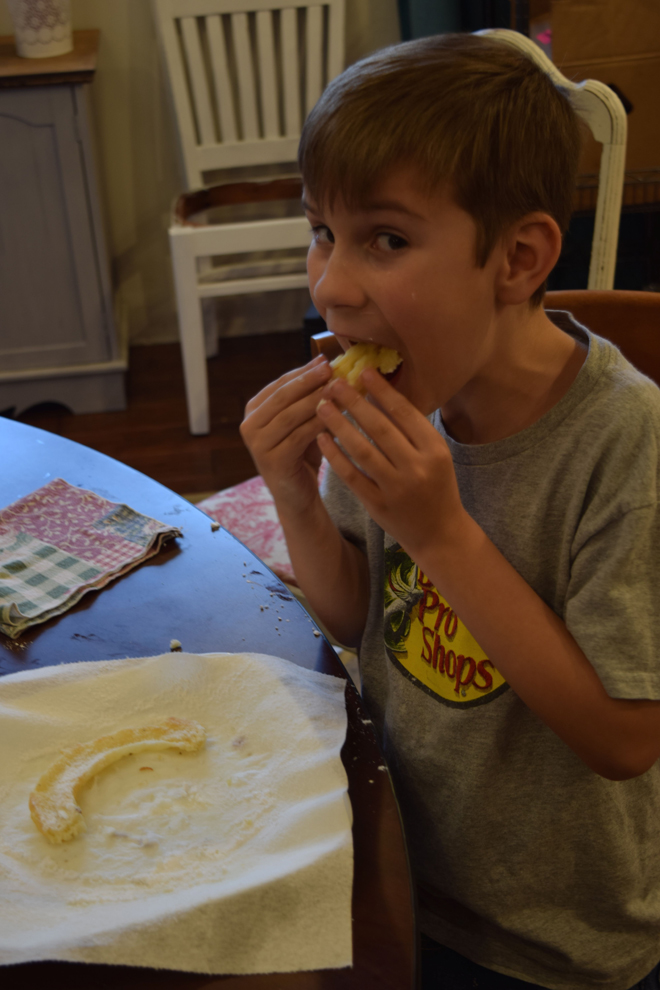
(390, 242)
(323, 234)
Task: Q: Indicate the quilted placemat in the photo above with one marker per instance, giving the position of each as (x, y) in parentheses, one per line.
(60, 542)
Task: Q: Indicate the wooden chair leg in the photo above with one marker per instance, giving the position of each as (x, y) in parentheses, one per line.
(191, 332)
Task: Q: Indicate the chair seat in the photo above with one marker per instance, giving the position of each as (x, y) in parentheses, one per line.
(254, 269)
(248, 512)
(198, 207)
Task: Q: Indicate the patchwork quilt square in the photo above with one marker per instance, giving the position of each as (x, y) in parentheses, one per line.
(60, 542)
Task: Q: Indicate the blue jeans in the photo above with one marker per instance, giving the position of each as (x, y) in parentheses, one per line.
(444, 969)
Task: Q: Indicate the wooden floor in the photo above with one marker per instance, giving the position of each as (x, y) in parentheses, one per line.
(152, 434)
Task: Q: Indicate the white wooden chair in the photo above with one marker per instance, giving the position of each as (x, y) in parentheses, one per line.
(244, 74)
(601, 109)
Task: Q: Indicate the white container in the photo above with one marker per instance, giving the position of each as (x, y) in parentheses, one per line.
(42, 28)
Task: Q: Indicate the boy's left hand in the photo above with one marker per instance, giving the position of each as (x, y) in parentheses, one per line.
(406, 481)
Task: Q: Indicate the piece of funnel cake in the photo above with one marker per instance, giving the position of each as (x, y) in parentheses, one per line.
(53, 804)
(361, 356)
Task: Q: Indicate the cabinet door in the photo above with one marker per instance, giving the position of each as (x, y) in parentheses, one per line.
(52, 309)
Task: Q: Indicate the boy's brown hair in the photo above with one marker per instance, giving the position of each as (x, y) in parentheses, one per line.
(462, 109)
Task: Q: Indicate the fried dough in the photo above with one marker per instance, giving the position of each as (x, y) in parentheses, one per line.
(53, 804)
(361, 356)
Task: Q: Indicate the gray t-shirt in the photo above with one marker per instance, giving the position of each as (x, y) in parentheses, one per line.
(526, 861)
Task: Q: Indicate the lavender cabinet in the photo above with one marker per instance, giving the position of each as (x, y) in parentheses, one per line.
(57, 334)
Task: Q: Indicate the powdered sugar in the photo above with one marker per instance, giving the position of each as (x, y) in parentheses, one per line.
(253, 804)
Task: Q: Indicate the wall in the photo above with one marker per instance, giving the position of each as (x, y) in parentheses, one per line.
(138, 159)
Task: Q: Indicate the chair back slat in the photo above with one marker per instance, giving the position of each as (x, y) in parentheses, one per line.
(313, 56)
(335, 44)
(601, 109)
(290, 71)
(244, 74)
(185, 120)
(221, 79)
(197, 75)
(268, 83)
(247, 92)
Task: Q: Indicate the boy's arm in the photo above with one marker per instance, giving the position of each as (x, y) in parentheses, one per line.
(533, 649)
(408, 485)
(332, 572)
(280, 429)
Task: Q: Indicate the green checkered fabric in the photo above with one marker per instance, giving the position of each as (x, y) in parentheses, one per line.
(60, 542)
(36, 578)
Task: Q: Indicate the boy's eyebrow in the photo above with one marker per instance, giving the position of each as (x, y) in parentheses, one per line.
(387, 204)
(393, 206)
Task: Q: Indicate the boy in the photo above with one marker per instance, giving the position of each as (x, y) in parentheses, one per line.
(489, 528)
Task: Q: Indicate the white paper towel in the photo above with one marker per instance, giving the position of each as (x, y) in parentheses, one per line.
(234, 859)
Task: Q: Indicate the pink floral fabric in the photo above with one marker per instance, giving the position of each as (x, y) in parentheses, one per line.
(83, 523)
(60, 542)
(248, 512)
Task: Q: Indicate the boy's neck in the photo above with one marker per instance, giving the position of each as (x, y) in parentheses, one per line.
(532, 366)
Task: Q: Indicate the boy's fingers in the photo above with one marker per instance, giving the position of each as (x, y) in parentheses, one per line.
(284, 432)
(289, 376)
(370, 458)
(274, 432)
(365, 488)
(294, 450)
(287, 389)
(389, 437)
(408, 419)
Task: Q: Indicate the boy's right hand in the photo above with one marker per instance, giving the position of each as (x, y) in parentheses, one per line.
(280, 428)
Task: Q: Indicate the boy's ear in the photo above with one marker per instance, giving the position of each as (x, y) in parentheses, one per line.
(531, 248)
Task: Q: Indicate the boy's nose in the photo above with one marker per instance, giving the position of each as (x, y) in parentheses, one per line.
(335, 282)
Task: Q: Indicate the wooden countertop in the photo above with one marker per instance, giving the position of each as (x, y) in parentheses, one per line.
(77, 66)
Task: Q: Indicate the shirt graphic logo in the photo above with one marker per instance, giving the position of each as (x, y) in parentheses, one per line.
(427, 641)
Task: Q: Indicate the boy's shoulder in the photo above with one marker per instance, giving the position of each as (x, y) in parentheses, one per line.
(613, 429)
(613, 391)
(597, 447)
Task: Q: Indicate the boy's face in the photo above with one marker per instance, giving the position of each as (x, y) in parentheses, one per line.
(401, 271)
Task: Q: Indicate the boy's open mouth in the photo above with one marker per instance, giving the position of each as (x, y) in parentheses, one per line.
(391, 357)
(393, 376)
(367, 354)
